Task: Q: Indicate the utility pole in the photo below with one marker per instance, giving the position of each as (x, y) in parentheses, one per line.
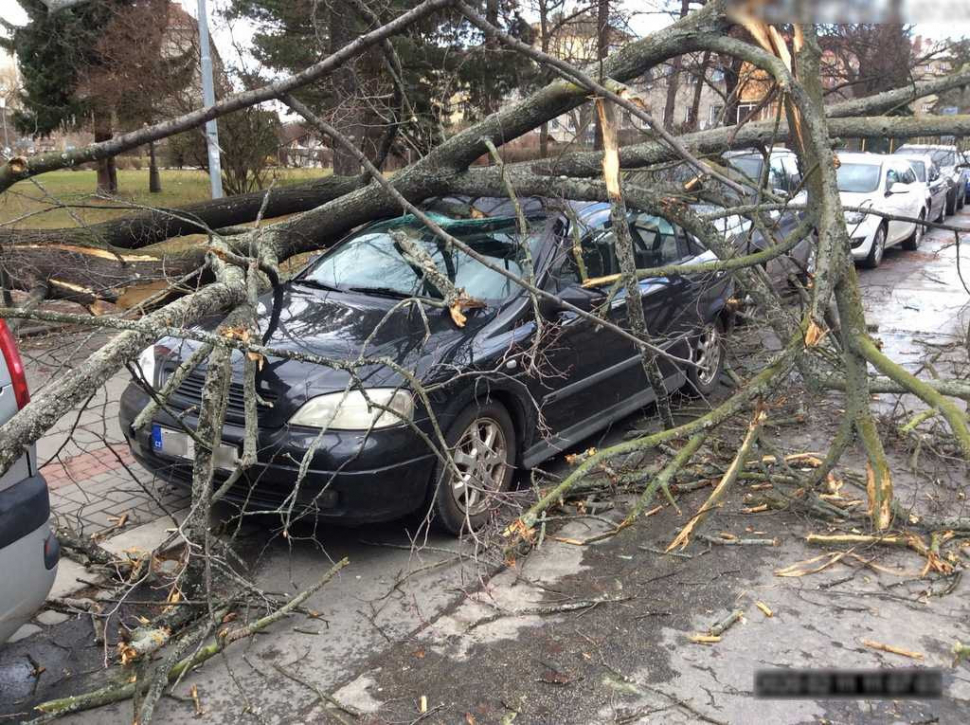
(3, 112)
(209, 99)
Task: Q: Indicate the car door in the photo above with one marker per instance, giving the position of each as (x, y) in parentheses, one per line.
(656, 243)
(937, 186)
(600, 372)
(897, 204)
(583, 359)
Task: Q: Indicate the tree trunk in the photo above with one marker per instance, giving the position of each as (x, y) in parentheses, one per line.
(107, 172)
(544, 44)
(695, 105)
(732, 79)
(154, 179)
(673, 82)
(344, 86)
(602, 51)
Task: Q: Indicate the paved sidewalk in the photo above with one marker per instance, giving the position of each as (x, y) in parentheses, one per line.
(96, 486)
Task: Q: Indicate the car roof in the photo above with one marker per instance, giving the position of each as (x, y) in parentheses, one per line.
(915, 155)
(927, 146)
(774, 151)
(861, 157)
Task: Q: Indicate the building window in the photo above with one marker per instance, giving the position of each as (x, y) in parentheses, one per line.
(715, 115)
(744, 110)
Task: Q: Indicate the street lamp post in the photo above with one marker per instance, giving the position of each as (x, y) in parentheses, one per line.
(208, 91)
(209, 98)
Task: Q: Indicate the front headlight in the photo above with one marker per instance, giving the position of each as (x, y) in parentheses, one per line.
(381, 408)
(855, 217)
(146, 362)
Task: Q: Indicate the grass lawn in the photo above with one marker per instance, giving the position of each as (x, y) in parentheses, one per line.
(66, 198)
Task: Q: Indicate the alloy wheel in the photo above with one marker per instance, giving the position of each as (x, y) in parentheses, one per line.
(880, 242)
(480, 458)
(707, 354)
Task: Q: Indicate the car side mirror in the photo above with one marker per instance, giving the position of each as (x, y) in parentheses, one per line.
(575, 295)
(898, 188)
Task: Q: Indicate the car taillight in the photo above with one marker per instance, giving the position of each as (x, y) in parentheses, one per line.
(18, 378)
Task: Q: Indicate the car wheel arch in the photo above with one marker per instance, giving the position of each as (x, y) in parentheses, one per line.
(511, 394)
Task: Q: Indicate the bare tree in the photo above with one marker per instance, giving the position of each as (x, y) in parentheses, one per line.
(236, 265)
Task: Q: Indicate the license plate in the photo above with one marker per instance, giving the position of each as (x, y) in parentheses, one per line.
(181, 445)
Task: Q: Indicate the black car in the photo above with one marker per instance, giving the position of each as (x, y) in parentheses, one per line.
(365, 444)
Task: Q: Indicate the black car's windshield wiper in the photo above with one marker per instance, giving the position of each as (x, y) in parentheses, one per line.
(383, 292)
(316, 284)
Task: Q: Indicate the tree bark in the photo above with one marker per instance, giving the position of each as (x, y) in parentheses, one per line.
(602, 51)
(695, 106)
(347, 120)
(107, 173)
(673, 82)
(154, 179)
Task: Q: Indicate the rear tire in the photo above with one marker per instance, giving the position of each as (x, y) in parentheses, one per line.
(707, 351)
(912, 242)
(878, 248)
(483, 445)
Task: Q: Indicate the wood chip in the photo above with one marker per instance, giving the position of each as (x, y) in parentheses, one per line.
(764, 608)
(704, 639)
(755, 509)
(891, 649)
(803, 568)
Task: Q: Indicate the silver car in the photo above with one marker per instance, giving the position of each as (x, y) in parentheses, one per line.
(28, 549)
(952, 165)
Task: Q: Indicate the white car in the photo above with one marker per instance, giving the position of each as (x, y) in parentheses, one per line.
(883, 183)
(28, 549)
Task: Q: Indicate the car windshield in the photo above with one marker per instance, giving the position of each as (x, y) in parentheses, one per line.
(373, 260)
(750, 166)
(919, 167)
(944, 158)
(858, 178)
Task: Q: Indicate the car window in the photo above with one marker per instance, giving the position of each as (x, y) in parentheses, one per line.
(933, 174)
(791, 170)
(892, 177)
(858, 178)
(750, 166)
(907, 176)
(920, 168)
(777, 176)
(656, 242)
(944, 158)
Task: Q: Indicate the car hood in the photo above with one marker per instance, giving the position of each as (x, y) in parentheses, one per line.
(346, 328)
(851, 198)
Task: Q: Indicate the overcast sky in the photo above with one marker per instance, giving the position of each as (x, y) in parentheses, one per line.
(647, 19)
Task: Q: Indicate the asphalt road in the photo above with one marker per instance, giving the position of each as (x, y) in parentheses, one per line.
(375, 611)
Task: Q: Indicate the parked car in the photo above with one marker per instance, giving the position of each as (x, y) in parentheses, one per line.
(783, 178)
(369, 459)
(952, 165)
(928, 174)
(28, 549)
(885, 183)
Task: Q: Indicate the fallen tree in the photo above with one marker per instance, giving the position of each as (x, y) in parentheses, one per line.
(242, 263)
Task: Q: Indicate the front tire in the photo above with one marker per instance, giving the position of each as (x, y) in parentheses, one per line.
(878, 248)
(912, 242)
(707, 354)
(482, 444)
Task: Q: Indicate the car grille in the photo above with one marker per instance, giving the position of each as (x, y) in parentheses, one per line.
(189, 394)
